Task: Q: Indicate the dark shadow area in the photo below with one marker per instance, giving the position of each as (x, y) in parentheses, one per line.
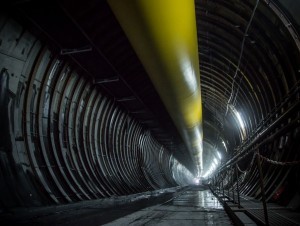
(91, 215)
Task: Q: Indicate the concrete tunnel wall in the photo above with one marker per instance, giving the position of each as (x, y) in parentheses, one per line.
(62, 140)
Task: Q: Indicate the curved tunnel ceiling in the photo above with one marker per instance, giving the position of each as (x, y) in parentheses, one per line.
(249, 64)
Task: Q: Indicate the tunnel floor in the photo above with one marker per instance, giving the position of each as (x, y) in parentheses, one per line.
(188, 206)
(195, 206)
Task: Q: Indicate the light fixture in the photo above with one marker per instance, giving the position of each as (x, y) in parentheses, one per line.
(197, 180)
(224, 145)
(240, 121)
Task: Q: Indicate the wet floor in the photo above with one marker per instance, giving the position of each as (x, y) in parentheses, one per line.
(195, 206)
(187, 206)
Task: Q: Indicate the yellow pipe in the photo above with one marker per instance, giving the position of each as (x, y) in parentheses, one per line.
(163, 34)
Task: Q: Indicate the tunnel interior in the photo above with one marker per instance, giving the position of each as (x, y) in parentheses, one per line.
(81, 119)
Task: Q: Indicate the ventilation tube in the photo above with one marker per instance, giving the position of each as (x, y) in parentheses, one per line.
(163, 34)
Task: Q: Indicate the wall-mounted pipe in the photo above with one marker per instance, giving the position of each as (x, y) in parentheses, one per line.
(163, 33)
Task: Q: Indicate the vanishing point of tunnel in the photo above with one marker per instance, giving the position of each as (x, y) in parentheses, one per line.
(150, 112)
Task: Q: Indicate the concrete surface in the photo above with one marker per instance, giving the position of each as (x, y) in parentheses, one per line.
(177, 206)
(193, 207)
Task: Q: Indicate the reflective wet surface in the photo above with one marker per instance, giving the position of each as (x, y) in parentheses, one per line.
(195, 206)
(184, 206)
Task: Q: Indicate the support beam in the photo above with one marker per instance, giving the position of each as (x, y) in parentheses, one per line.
(107, 80)
(78, 50)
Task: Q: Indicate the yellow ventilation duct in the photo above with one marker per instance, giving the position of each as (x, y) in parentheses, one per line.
(163, 34)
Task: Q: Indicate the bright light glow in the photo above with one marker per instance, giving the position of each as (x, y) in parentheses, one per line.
(224, 145)
(210, 171)
(216, 161)
(212, 167)
(206, 174)
(197, 147)
(188, 72)
(219, 155)
(196, 180)
(181, 174)
(240, 122)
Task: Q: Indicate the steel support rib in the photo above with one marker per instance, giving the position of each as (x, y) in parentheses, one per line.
(164, 36)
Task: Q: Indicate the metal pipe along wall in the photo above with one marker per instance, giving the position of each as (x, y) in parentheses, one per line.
(164, 36)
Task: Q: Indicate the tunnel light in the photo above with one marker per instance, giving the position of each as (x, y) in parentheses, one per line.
(240, 120)
(241, 123)
(213, 165)
(224, 145)
(212, 168)
(206, 174)
(216, 161)
(196, 180)
(219, 155)
(210, 171)
(181, 174)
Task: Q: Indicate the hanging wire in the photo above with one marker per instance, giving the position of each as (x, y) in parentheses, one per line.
(240, 57)
(241, 171)
(239, 86)
(292, 163)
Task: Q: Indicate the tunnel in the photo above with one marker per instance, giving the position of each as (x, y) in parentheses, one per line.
(95, 116)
